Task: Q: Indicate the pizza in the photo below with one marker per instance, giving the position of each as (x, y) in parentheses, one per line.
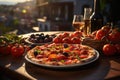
(61, 54)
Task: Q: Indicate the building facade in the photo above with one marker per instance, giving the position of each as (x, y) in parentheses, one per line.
(58, 14)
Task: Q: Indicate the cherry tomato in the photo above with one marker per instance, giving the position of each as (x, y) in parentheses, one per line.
(8, 49)
(77, 34)
(92, 35)
(60, 36)
(106, 29)
(65, 34)
(17, 50)
(66, 40)
(57, 40)
(114, 37)
(109, 49)
(117, 47)
(75, 40)
(100, 34)
(116, 30)
(71, 35)
(5, 49)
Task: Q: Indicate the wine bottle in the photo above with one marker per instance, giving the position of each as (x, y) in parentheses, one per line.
(96, 17)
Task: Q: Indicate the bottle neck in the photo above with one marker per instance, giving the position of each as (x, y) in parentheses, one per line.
(97, 6)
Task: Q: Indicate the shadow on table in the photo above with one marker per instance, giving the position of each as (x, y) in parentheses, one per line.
(114, 78)
(7, 74)
(116, 58)
(8, 65)
(11, 62)
(93, 71)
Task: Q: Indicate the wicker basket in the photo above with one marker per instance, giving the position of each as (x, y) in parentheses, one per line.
(96, 44)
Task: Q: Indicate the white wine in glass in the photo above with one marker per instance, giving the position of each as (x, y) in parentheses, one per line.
(78, 22)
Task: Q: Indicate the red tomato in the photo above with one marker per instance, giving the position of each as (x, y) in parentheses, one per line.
(118, 48)
(57, 40)
(65, 34)
(116, 30)
(75, 40)
(17, 50)
(71, 35)
(100, 34)
(60, 36)
(114, 37)
(106, 29)
(8, 49)
(109, 49)
(66, 40)
(5, 49)
(77, 34)
(92, 35)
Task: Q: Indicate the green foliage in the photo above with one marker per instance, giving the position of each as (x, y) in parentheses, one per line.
(10, 38)
(4, 29)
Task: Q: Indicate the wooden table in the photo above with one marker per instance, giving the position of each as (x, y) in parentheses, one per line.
(105, 68)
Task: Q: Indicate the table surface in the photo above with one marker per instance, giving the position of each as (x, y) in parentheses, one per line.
(105, 68)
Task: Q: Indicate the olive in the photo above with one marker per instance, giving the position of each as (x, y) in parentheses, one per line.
(32, 40)
(32, 36)
(37, 34)
(42, 34)
(47, 36)
(65, 54)
(41, 41)
(50, 39)
(41, 38)
(46, 39)
(36, 53)
(36, 41)
(66, 45)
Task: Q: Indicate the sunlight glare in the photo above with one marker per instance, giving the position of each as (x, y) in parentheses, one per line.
(14, 0)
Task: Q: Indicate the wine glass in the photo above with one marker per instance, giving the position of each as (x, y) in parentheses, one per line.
(78, 22)
(87, 27)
